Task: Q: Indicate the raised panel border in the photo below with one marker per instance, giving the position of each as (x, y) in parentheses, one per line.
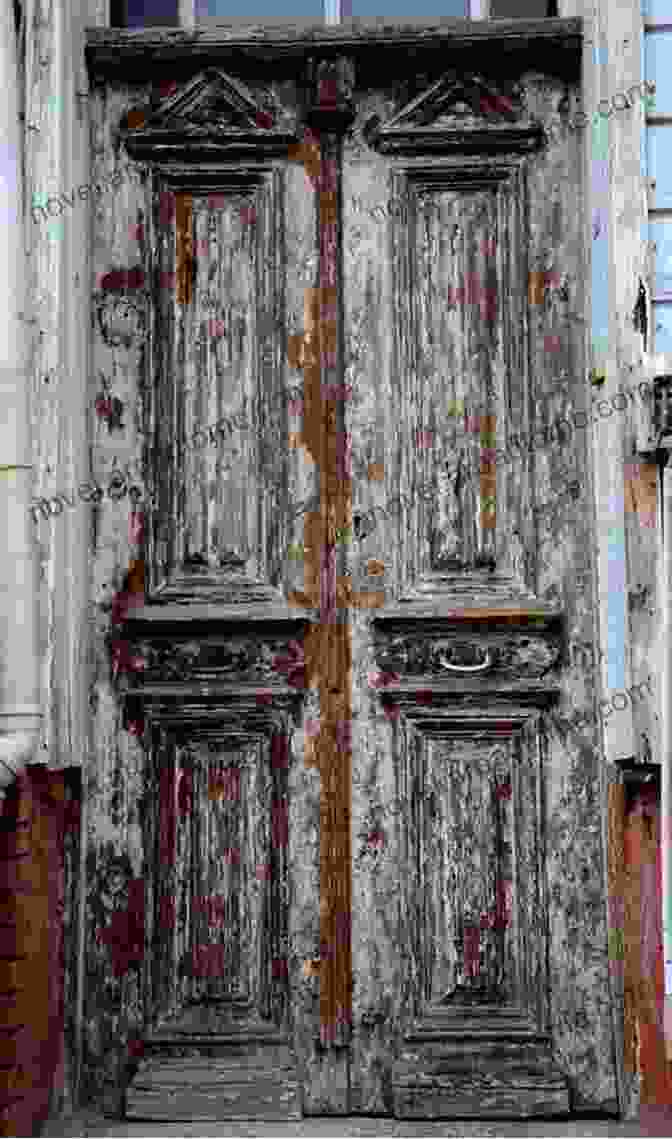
(165, 572)
(524, 727)
(506, 177)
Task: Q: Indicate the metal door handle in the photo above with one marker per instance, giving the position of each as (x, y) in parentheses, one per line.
(485, 663)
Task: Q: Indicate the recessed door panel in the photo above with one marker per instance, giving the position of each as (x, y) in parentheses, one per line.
(220, 919)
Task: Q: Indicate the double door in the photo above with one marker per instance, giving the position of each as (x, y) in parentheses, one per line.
(346, 665)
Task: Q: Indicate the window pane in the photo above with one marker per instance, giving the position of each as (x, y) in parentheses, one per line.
(260, 11)
(525, 9)
(660, 232)
(143, 13)
(662, 318)
(659, 165)
(400, 11)
(658, 66)
(657, 11)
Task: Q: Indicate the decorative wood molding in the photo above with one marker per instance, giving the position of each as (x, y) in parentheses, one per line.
(525, 655)
(187, 446)
(523, 646)
(246, 659)
(460, 526)
(216, 979)
(475, 975)
(459, 113)
(475, 45)
(211, 117)
(333, 84)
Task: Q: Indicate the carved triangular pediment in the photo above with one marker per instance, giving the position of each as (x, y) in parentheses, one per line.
(210, 111)
(454, 98)
(213, 100)
(458, 112)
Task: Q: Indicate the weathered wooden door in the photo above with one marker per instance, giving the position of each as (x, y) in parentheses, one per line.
(346, 663)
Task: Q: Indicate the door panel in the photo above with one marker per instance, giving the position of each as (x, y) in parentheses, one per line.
(220, 901)
(465, 856)
(216, 411)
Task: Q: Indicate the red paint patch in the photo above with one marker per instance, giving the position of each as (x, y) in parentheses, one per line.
(124, 660)
(264, 120)
(212, 905)
(136, 1047)
(208, 961)
(551, 344)
(185, 792)
(119, 279)
(103, 407)
(382, 679)
(328, 94)
(344, 735)
(166, 208)
(279, 823)
(279, 751)
(279, 969)
(113, 281)
(264, 872)
(292, 666)
(125, 935)
(169, 87)
(216, 328)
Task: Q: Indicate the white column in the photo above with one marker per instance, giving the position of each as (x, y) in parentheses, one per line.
(20, 706)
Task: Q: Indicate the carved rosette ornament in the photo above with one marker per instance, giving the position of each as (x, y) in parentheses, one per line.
(121, 320)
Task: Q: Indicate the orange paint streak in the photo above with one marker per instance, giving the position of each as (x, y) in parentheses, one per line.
(488, 475)
(644, 976)
(641, 492)
(327, 646)
(183, 252)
